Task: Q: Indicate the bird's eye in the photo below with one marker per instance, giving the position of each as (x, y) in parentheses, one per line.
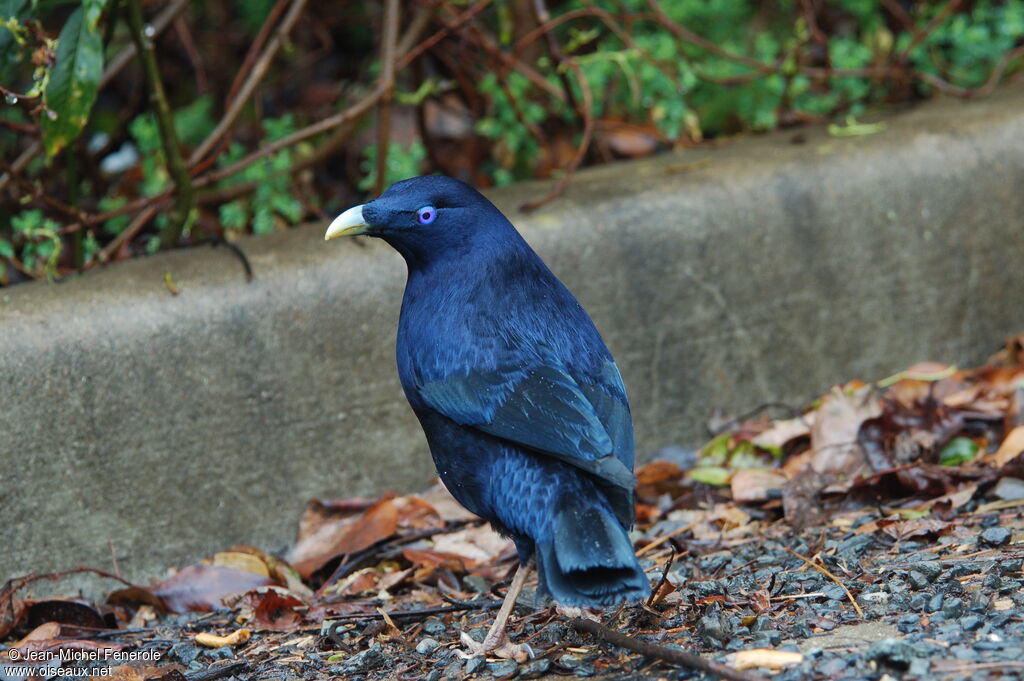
(426, 215)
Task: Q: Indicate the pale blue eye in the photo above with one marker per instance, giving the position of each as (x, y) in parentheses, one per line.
(426, 215)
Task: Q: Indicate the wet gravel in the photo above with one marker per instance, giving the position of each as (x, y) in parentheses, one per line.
(946, 606)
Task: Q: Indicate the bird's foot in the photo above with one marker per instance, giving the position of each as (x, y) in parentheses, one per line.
(573, 611)
(496, 644)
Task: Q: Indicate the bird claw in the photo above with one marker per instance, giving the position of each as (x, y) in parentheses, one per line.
(496, 646)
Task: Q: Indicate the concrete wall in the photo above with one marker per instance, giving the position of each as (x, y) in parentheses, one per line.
(165, 427)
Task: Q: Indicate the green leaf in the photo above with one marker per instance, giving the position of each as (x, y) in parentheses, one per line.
(9, 9)
(711, 475)
(6, 250)
(74, 81)
(957, 451)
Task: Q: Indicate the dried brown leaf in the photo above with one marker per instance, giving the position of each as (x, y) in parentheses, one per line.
(201, 588)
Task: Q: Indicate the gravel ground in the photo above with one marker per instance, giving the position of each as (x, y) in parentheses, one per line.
(943, 604)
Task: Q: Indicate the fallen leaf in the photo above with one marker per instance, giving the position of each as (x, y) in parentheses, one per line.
(275, 608)
(201, 588)
(764, 657)
(753, 484)
(378, 522)
(480, 544)
(447, 507)
(784, 431)
(657, 471)
(236, 637)
(834, 435)
(436, 559)
(238, 560)
(1010, 449)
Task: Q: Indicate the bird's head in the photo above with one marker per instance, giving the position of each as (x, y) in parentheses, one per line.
(424, 217)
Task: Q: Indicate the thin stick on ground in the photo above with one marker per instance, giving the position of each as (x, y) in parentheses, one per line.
(671, 655)
(831, 576)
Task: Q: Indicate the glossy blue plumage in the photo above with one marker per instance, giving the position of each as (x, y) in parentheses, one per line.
(521, 402)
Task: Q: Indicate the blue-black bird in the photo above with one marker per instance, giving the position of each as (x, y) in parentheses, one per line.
(523, 406)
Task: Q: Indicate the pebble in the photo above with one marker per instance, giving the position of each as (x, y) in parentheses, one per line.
(996, 536)
(502, 667)
(433, 626)
(535, 668)
(474, 664)
(427, 646)
(971, 622)
(935, 603)
(713, 628)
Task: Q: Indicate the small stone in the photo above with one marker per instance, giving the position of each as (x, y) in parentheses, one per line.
(918, 580)
(971, 622)
(929, 568)
(502, 667)
(908, 623)
(427, 646)
(535, 668)
(433, 626)
(713, 628)
(476, 584)
(953, 607)
(434, 675)
(834, 592)
(474, 664)
(935, 604)
(1008, 567)
(996, 536)
(893, 652)
(453, 670)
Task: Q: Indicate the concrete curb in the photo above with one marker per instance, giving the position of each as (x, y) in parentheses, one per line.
(164, 428)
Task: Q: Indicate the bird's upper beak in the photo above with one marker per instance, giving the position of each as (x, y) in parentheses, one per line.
(349, 223)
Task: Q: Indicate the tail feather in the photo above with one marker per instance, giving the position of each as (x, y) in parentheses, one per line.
(589, 561)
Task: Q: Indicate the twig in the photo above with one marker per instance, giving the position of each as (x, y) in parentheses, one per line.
(387, 83)
(691, 37)
(950, 7)
(426, 612)
(664, 538)
(664, 578)
(129, 233)
(831, 576)
(455, 24)
(672, 655)
(183, 202)
(238, 252)
(259, 70)
(185, 36)
(540, 9)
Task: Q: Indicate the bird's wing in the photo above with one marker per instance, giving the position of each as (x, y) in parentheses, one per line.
(541, 406)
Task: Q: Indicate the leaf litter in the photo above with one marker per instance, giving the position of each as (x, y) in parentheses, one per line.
(896, 502)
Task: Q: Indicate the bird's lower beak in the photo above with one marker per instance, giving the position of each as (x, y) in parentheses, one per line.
(349, 223)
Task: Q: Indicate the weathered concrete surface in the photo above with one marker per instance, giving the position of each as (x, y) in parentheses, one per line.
(167, 427)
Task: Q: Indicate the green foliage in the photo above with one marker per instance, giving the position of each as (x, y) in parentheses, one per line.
(957, 451)
(272, 203)
(402, 163)
(40, 243)
(683, 89)
(75, 78)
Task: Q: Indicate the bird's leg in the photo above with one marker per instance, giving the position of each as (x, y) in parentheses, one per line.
(571, 611)
(496, 642)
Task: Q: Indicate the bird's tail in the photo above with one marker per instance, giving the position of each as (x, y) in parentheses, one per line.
(589, 560)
